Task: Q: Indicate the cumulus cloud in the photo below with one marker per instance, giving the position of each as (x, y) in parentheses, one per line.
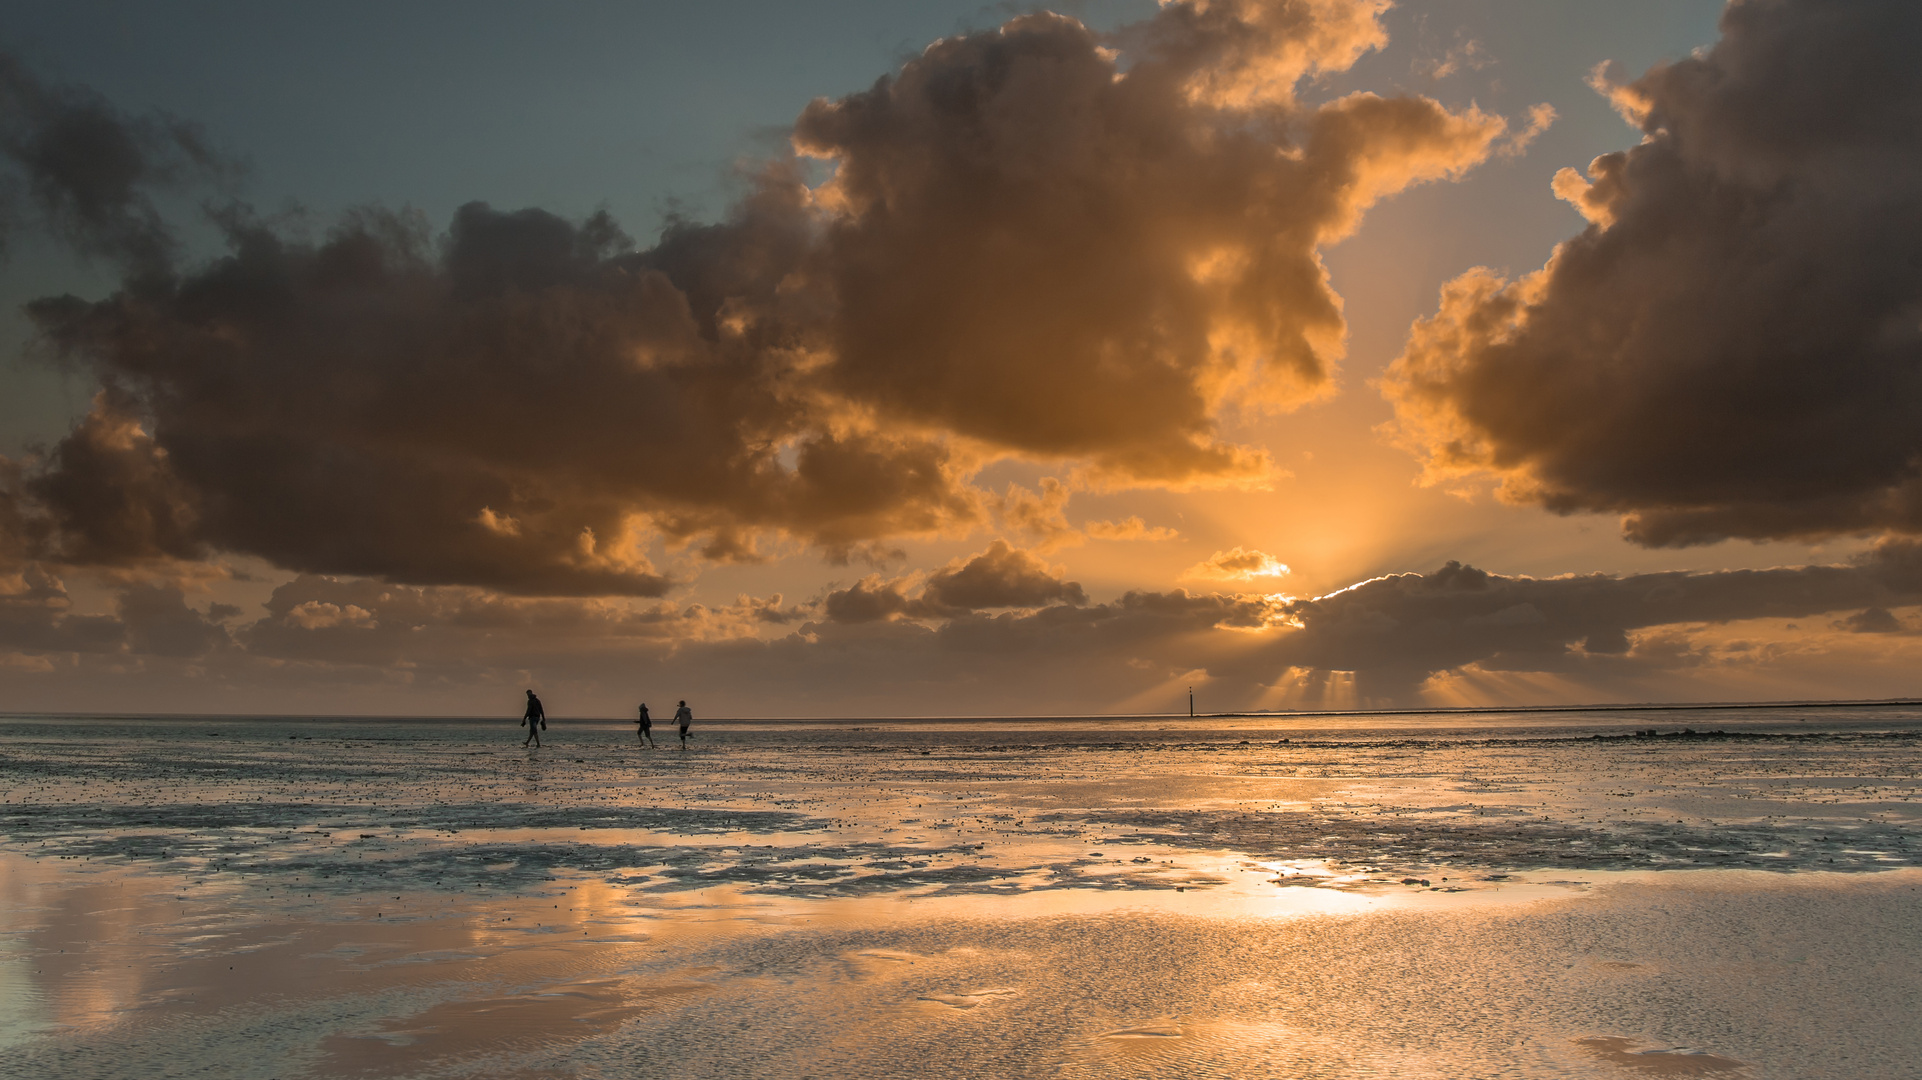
(1036, 242)
(1061, 303)
(1731, 348)
(1237, 564)
(1000, 577)
(503, 410)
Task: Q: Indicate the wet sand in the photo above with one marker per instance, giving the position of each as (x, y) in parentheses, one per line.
(1409, 897)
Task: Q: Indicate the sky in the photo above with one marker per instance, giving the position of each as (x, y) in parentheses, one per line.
(908, 359)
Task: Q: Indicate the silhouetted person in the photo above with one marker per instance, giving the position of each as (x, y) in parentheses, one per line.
(534, 719)
(683, 717)
(646, 728)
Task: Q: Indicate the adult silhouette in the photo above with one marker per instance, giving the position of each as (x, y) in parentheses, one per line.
(645, 730)
(534, 719)
(682, 718)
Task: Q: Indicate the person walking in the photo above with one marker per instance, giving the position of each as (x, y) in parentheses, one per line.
(646, 728)
(534, 719)
(682, 718)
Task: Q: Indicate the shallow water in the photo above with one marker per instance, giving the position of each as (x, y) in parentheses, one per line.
(1394, 896)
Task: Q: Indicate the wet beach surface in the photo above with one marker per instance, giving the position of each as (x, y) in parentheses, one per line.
(1501, 895)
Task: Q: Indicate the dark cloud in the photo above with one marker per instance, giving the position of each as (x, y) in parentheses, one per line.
(1001, 577)
(1395, 632)
(1030, 246)
(1873, 620)
(1733, 347)
(870, 600)
(36, 618)
(504, 411)
(90, 171)
(159, 623)
(149, 619)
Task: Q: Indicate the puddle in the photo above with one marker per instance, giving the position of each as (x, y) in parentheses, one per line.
(1670, 1061)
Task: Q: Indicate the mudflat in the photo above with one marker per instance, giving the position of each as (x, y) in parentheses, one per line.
(1489, 896)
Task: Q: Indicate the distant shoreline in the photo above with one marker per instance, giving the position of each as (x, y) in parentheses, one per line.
(1492, 710)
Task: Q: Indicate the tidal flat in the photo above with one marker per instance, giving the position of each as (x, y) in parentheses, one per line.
(1446, 895)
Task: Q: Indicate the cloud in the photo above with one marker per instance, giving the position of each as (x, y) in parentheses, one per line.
(1873, 620)
(995, 633)
(1396, 632)
(36, 618)
(870, 600)
(1730, 349)
(521, 409)
(1040, 514)
(150, 618)
(1237, 564)
(1062, 304)
(1129, 528)
(1036, 242)
(1001, 577)
(1466, 54)
(1244, 53)
(159, 623)
(90, 171)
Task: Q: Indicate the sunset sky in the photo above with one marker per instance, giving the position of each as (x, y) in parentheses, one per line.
(926, 358)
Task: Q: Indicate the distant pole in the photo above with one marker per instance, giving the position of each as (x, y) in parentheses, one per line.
(1191, 701)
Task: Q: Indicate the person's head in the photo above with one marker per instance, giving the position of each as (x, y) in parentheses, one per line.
(683, 704)
(530, 693)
